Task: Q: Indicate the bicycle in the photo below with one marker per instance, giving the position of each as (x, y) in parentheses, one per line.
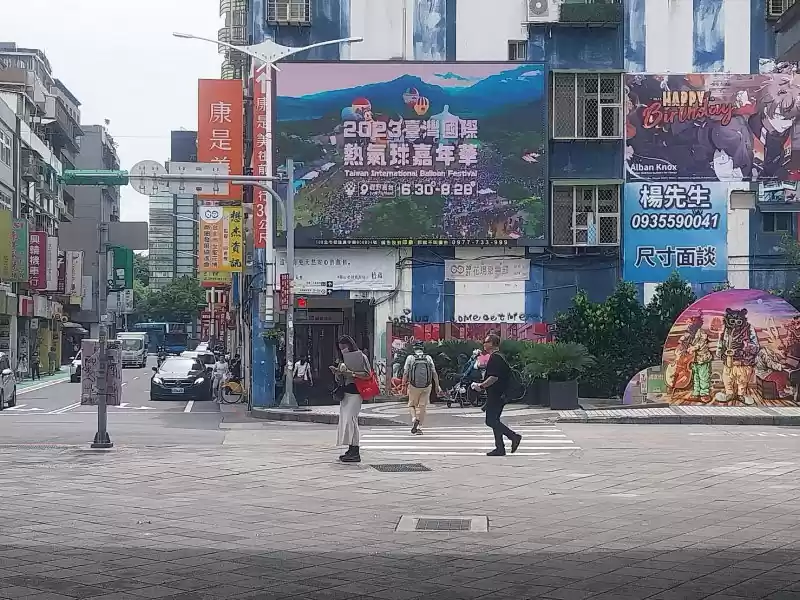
(232, 392)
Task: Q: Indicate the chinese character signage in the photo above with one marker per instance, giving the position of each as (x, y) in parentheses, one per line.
(19, 250)
(387, 152)
(74, 280)
(90, 373)
(215, 278)
(6, 244)
(344, 269)
(62, 272)
(718, 127)
(37, 260)
(262, 152)
(220, 239)
(676, 227)
(220, 128)
(52, 264)
(488, 269)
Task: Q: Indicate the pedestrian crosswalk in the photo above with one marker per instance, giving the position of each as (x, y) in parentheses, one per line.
(537, 440)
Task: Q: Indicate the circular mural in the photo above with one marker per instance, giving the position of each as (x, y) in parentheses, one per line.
(733, 348)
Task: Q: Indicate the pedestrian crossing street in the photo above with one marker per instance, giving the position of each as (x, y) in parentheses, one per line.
(537, 440)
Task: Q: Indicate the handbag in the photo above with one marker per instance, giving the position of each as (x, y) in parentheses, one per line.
(368, 388)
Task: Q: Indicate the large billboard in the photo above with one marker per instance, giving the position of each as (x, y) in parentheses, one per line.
(675, 227)
(718, 127)
(397, 153)
(221, 239)
(220, 128)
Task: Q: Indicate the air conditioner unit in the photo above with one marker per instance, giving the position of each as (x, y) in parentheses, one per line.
(542, 11)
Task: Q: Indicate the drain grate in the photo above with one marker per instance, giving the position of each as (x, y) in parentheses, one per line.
(453, 523)
(400, 468)
(35, 446)
(443, 525)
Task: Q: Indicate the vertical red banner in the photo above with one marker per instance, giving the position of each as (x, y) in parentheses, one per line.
(262, 151)
(37, 260)
(220, 128)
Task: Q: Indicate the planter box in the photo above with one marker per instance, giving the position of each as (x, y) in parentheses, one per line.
(563, 395)
(537, 393)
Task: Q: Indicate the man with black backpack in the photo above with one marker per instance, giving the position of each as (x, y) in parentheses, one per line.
(419, 372)
(496, 383)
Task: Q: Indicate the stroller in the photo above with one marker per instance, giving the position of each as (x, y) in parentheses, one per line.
(461, 393)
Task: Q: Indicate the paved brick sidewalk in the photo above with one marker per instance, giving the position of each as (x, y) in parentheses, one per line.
(699, 518)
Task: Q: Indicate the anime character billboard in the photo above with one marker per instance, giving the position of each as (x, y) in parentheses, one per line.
(733, 348)
(719, 127)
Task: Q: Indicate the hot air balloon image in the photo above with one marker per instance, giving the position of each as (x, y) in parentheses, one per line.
(422, 105)
(411, 96)
(361, 106)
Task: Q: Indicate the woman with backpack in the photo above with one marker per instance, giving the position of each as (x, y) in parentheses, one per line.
(419, 372)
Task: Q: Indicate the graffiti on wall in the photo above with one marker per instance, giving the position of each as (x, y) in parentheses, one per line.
(733, 348)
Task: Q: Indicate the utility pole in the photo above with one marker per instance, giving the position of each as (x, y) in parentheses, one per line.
(288, 400)
(101, 438)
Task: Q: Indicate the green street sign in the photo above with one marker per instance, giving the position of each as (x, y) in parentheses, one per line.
(120, 268)
(76, 177)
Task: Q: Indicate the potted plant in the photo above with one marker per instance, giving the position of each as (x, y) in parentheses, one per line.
(560, 364)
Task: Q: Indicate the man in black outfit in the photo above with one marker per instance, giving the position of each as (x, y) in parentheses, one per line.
(495, 383)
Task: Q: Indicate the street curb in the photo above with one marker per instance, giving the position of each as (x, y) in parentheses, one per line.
(40, 386)
(275, 414)
(687, 420)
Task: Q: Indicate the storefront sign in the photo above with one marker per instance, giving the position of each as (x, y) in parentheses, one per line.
(19, 250)
(215, 279)
(262, 151)
(6, 244)
(37, 260)
(74, 276)
(61, 285)
(284, 292)
(25, 306)
(320, 317)
(119, 268)
(221, 239)
(488, 269)
(414, 150)
(675, 227)
(52, 263)
(220, 123)
(373, 269)
(125, 301)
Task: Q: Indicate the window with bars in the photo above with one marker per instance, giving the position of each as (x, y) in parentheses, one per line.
(587, 105)
(518, 50)
(289, 11)
(585, 215)
(776, 8)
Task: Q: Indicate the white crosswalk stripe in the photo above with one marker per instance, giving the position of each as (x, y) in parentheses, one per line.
(537, 440)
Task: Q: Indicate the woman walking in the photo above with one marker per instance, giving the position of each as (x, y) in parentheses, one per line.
(354, 366)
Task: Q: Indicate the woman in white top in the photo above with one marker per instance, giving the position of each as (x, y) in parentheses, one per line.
(354, 365)
(303, 378)
(218, 374)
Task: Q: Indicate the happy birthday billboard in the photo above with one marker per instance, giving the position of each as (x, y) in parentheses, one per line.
(718, 127)
(397, 153)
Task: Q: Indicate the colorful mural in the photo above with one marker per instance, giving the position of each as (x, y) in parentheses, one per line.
(733, 348)
(646, 387)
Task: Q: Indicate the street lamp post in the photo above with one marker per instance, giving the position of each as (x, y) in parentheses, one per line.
(269, 52)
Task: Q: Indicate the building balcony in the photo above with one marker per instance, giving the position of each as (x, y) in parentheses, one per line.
(787, 34)
(65, 130)
(591, 13)
(229, 6)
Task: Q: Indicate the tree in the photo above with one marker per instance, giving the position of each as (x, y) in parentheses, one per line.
(141, 269)
(617, 332)
(178, 302)
(672, 297)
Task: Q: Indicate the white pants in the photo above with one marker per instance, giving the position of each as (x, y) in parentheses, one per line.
(348, 420)
(216, 383)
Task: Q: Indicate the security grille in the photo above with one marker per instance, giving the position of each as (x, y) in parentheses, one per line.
(776, 8)
(297, 12)
(585, 215)
(587, 105)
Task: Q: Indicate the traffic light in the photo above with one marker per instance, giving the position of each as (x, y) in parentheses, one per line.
(302, 302)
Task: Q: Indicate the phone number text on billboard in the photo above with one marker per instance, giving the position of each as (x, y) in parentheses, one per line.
(687, 221)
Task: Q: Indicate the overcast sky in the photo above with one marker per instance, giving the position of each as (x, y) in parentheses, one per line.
(120, 60)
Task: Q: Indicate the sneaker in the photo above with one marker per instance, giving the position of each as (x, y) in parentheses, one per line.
(415, 426)
(418, 431)
(515, 443)
(496, 452)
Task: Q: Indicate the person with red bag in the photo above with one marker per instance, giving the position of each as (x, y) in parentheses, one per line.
(356, 382)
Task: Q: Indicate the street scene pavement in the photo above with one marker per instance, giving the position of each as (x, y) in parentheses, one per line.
(197, 503)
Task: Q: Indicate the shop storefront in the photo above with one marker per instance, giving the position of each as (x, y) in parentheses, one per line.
(24, 336)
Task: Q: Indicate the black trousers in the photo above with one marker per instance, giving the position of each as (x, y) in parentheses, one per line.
(35, 370)
(494, 408)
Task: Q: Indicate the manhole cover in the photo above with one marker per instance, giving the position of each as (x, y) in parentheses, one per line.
(400, 467)
(443, 525)
(472, 524)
